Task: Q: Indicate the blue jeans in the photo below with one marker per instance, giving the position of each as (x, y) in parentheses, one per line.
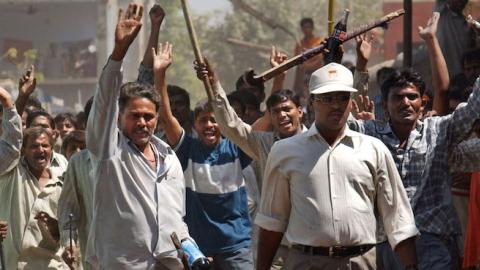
(433, 253)
(241, 259)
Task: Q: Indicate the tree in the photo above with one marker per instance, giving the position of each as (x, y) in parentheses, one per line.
(231, 61)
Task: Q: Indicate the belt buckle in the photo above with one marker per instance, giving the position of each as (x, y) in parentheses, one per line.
(331, 250)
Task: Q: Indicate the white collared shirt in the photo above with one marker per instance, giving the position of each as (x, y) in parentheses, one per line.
(322, 195)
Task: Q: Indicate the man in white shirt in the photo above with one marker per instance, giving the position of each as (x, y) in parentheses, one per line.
(139, 188)
(326, 188)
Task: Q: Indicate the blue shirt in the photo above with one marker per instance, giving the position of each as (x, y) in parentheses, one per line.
(217, 211)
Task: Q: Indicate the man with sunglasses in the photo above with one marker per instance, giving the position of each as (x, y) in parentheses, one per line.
(327, 188)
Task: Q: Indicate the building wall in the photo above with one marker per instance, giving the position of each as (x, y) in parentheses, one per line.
(58, 22)
(393, 38)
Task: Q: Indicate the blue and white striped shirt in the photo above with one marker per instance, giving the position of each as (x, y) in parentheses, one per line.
(216, 204)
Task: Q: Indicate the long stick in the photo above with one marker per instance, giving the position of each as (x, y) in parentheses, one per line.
(298, 59)
(196, 47)
(70, 218)
(2, 255)
(330, 16)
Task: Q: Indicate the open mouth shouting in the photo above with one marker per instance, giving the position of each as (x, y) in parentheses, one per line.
(41, 159)
(210, 134)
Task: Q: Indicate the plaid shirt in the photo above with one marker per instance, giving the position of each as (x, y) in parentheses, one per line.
(424, 164)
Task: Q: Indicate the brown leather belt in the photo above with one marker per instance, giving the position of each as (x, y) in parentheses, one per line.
(334, 251)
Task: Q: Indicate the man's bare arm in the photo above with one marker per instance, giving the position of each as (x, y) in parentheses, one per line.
(406, 251)
(162, 59)
(157, 14)
(26, 86)
(268, 242)
(440, 76)
(102, 128)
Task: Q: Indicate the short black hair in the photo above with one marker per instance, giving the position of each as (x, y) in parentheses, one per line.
(235, 97)
(248, 98)
(74, 137)
(471, 56)
(137, 90)
(33, 102)
(202, 106)
(66, 116)
(35, 114)
(402, 78)
(175, 90)
(306, 20)
(282, 96)
(385, 72)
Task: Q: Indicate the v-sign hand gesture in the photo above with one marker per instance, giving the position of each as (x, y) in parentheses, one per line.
(127, 29)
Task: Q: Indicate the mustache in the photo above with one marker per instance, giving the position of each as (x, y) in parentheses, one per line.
(336, 112)
(145, 130)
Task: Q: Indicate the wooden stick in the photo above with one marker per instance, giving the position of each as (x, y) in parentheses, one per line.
(299, 59)
(70, 219)
(330, 16)
(196, 47)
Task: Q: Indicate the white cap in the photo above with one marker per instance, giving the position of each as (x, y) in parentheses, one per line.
(331, 78)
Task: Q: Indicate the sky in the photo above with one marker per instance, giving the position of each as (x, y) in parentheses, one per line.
(202, 6)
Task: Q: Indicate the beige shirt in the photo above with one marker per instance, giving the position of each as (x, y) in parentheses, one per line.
(256, 144)
(323, 195)
(28, 245)
(135, 208)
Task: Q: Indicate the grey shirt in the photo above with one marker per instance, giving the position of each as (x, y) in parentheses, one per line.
(135, 208)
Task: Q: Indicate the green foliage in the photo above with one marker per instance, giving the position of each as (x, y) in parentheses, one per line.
(231, 61)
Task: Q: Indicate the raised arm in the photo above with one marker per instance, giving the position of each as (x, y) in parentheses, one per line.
(11, 139)
(26, 86)
(440, 76)
(145, 70)
(102, 129)
(161, 61)
(364, 50)
(264, 123)
(230, 124)
(157, 14)
(276, 58)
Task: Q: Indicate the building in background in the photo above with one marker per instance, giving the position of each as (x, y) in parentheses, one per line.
(68, 41)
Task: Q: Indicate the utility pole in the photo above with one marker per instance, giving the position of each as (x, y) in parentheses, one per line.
(407, 34)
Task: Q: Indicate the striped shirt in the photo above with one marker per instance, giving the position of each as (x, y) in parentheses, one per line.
(216, 205)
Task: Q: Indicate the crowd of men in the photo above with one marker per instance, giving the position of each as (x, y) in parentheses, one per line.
(319, 180)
